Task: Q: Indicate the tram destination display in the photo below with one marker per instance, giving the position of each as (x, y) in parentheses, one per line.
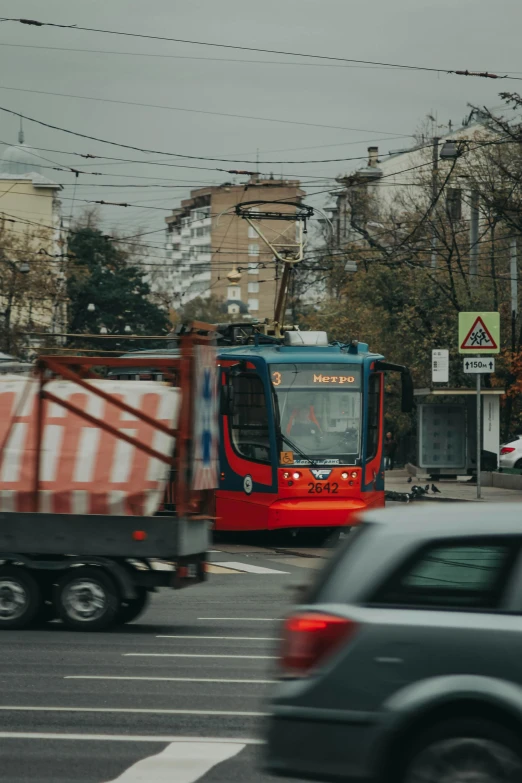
(295, 376)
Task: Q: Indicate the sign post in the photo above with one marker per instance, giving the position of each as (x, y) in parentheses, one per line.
(479, 436)
(479, 333)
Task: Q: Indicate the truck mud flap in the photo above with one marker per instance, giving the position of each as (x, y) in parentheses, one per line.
(189, 571)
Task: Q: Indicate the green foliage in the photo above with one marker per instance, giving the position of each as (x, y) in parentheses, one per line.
(102, 273)
(210, 310)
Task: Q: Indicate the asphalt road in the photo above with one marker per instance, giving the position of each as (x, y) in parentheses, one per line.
(176, 696)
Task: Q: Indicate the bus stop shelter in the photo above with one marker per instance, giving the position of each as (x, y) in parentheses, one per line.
(446, 429)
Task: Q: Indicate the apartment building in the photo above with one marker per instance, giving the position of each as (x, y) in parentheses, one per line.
(211, 251)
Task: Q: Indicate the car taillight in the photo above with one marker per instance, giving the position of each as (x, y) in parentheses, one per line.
(308, 638)
(507, 450)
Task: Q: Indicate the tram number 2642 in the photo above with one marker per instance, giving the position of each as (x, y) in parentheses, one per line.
(315, 488)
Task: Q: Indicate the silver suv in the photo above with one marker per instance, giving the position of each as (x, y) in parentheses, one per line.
(405, 662)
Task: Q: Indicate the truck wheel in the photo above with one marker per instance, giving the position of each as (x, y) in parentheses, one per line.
(87, 599)
(467, 750)
(46, 614)
(130, 610)
(20, 597)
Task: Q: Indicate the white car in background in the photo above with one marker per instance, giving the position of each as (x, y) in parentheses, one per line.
(511, 453)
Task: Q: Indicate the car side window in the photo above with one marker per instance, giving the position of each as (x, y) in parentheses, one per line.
(452, 575)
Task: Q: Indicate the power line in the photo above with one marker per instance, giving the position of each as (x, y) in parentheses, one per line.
(331, 58)
(202, 111)
(208, 59)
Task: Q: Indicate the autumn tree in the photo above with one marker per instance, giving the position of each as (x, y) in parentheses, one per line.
(415, 266)
(32, 291)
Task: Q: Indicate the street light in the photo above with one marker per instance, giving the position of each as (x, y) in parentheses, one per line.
(449, 150)
(91, 307)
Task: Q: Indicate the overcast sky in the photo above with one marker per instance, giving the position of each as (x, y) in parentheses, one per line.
(366, 104)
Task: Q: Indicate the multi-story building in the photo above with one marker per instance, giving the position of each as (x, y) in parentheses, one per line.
(30, 211)
(213, 252)
(378, 189)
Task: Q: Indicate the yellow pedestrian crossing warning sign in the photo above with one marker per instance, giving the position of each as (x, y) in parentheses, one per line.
(479, 333)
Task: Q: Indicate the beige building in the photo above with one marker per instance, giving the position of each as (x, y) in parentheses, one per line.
(30, 209)
(207, 242)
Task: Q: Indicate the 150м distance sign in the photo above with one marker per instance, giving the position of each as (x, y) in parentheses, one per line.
(477, 366)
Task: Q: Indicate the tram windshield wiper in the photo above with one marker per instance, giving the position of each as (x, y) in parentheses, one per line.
(299, 451)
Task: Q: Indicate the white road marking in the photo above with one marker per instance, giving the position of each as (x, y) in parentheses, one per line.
(198, 655)
(181, 762)
(249, 569)
(229, 638)
(122, 738)
(136, 710)
(168, 679)
(244, 619)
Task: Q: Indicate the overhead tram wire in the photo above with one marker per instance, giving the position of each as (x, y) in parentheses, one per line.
(210, 59)
(162, 152)
(199, 111)
(237, 47)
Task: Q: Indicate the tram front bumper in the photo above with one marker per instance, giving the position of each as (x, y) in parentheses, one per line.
(304, 512)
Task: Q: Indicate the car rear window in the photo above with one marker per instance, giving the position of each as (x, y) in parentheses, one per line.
(451, 575)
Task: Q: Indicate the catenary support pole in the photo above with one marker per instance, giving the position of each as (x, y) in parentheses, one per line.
(474, 237)
(479, 434)
(434, 194)
(513, 274)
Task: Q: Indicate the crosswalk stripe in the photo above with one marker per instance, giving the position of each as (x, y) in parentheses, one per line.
(181, 762)
(250, 569)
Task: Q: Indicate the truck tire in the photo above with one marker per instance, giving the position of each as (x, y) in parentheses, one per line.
(130, 610)
(87, 599)
(465, 749)
(20, 597)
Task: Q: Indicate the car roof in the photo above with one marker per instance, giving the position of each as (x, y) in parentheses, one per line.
(427, 519)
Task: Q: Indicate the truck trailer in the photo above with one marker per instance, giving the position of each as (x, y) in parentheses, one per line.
(106, 488)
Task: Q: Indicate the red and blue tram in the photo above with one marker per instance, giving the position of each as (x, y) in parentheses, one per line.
(301, 442)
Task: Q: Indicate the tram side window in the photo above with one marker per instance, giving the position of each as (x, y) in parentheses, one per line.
(249, 420)
(374, 416)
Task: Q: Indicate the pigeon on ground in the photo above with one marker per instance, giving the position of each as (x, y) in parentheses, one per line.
(427, 487)
(410, 480)
(435, 489)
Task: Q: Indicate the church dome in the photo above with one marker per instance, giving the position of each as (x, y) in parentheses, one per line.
(20, 160)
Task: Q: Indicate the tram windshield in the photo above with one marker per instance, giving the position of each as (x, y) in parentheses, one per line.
(320, 410)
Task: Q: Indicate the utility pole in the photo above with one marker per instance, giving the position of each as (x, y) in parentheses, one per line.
(474, 236)
(513, 273)
(434, 194)
(479, 434)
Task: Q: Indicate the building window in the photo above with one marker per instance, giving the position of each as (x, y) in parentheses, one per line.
(252, 233)
(253, 268)
(233, 292)
(253, 249)
(253, 304)
(253, 288)
(233, 309)
(454, 203)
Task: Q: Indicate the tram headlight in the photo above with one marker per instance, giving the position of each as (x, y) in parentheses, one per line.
(296, 475)
(354, 474)
(344, 475)
(286, 475)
